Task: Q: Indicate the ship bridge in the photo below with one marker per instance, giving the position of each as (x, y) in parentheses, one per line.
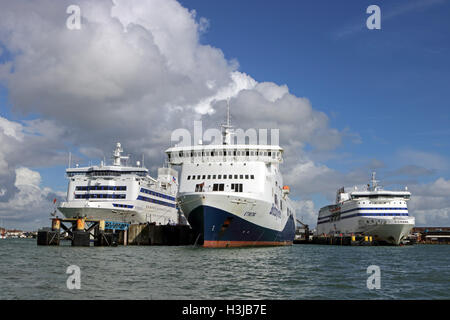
(224, 153)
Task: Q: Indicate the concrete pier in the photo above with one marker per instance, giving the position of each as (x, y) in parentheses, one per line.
(81, 231)
(344, 240)
(48, 238)
(151, 234)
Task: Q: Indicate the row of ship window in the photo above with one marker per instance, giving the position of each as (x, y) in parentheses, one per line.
(157, 194)
(338, 216)
(116, 205)
(106, 173)
(172, 205)
(100, 196)
(378, 203)
(221, 176)
(236, 187)
(112, 188)
(227, 153)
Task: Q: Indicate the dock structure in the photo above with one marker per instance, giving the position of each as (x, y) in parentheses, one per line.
(152, 234)
(341, 240)
(83, 232)
(80, 231)
(430, 235)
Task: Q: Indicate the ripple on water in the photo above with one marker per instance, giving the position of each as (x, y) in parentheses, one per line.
(29, 271)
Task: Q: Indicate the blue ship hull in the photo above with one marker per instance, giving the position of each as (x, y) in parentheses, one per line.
(220, 228)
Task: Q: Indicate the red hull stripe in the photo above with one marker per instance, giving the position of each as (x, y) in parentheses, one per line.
(225, 244)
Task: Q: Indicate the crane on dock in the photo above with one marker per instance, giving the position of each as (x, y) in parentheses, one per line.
(306, 228)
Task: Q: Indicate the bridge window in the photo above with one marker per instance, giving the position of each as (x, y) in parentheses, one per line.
(218, 186)
(236, 187)
(111, 188)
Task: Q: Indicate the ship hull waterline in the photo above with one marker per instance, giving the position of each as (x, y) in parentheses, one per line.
(217, 228)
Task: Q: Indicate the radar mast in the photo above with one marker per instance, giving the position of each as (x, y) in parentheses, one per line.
(227, 128)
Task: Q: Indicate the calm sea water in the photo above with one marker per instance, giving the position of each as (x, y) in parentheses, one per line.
(28, 271)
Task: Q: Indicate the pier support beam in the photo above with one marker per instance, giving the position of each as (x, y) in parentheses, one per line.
(48, 238)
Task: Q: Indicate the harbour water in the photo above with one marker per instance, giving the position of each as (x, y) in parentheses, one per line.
(28, 271)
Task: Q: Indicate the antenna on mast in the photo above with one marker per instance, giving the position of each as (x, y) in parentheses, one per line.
(226, 128)
(117, 155)
(374, 182)
(228, 113)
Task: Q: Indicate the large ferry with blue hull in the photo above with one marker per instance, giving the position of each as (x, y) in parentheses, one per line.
(233, 195)
(122, 193)
(375, 212)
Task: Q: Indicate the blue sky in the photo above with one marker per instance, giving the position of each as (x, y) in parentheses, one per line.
(387, 91)
(391, 86)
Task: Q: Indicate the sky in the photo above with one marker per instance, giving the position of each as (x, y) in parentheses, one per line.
(347, 100)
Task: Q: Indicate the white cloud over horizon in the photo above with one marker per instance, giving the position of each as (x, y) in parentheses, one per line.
(31, 205)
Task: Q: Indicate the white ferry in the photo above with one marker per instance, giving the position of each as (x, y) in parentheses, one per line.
(375, 212)
(233, 195)
(121, 193)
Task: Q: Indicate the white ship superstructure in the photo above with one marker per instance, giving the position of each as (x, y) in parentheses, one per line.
(121, 193)
(233, 195)
(375, 212)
